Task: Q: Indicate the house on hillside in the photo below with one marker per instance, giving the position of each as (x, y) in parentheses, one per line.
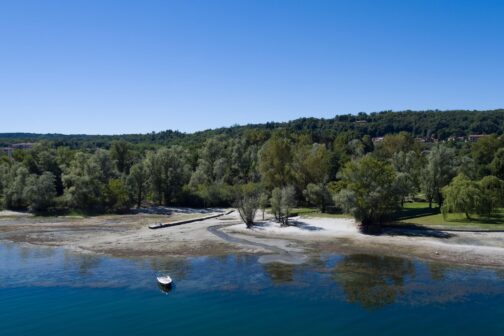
(23, 145)
(476, 137)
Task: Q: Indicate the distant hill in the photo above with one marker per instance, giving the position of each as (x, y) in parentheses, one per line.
(437, 124)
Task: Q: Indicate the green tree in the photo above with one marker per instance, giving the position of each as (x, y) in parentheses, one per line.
(340, 148)
(370, 192)
(85, 181)
(4, 176)
(169, 171)
(247, 202)
(288, 201)
(137, 183)
(103, 166)
(213, 163)
(410, 163)
(14, 195)
(497, 164)
(217, 194)
(40, 191)
(395, 143)
(311, 164)
(117, 197)
(276, 203)
(318, 195)
(263, 202)
(493, 189)
(440, 168)
(210, 179)
(463, 195)
(243, 162)
(483, 150)
(275, 163)
(121, 154)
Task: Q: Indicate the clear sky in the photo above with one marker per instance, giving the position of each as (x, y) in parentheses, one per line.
(119, 66)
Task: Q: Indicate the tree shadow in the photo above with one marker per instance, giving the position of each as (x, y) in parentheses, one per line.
(410, 213)
(292, 223)
(304, 226)
(414, 230)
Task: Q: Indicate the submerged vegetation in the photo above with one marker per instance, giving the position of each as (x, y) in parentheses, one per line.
(366, 165)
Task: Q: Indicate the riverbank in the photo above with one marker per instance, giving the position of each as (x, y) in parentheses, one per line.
(119, 235)
(340, 235)
(129, 236)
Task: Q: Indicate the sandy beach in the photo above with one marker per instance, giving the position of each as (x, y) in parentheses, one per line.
(129, 236)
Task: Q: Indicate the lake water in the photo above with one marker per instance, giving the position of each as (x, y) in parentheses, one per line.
(47, 291)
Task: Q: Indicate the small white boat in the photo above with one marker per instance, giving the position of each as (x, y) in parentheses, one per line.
(164, 281)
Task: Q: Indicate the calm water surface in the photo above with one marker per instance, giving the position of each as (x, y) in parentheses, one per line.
(46, 291)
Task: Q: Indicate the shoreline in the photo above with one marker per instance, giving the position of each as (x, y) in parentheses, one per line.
(128, 236)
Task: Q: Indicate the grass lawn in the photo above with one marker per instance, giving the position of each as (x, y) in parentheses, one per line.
(315, 213)
(418, 213)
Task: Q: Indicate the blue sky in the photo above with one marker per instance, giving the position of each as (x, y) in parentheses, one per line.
(112, 66)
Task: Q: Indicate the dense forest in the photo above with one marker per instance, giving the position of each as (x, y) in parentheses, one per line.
(365, 164)
(437, 124)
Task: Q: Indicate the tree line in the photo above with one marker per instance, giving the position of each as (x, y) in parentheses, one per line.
(279, 169)
(431, 124)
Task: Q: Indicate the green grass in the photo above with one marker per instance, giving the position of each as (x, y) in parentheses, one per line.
(419, 214)
(318, 214)
(313, 213)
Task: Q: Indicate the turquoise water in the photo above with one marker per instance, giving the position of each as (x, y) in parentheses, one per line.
(47, 291)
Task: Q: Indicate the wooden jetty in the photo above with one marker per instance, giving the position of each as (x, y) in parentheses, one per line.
(187, 221)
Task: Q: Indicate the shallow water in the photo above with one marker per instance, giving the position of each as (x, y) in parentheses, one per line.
(47, 291)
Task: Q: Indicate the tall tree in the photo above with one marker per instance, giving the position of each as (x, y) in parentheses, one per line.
(169, 171)
(484, 149)
(464, 195)
(275, 162)
(318, 195)
(440, 169)
(14, 195)
(493, 189)
(247, 202)
(311, 164)
(243, 162)
(395, 143)
(276, 203)
(263, 202)
(121, 154)
(85, 181)
(40, 191)
(408, 167)
(116, 196)
(288, 202)
(137, 183)
(497, 164)
(370, 192)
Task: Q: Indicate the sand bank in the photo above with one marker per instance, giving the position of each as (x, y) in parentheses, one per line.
(129, 236)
